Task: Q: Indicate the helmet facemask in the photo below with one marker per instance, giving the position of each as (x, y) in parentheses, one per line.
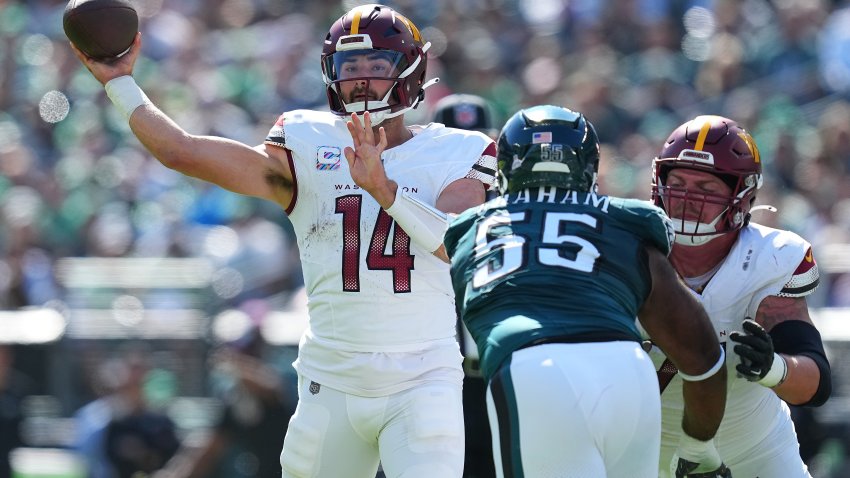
(734, 216)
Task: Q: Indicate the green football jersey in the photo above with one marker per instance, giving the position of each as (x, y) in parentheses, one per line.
(552, 265)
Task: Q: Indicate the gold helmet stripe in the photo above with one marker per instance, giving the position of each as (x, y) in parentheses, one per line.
(703, 132)
(355, 22)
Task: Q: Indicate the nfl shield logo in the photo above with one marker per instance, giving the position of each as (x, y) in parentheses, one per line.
(466, 116)
(314, 387)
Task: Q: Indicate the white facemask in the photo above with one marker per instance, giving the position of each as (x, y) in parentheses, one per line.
(691, 227)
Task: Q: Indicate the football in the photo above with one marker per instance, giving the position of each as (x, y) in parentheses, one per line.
(102, 29)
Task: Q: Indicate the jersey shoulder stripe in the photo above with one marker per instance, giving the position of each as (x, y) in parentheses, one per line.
(805, 279)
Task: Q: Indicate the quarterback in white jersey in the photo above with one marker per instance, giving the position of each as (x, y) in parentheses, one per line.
(752, 281)
(379, 368)
(368, 284)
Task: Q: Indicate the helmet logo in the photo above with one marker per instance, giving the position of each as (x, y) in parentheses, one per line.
(417, 37)
(751, 143)
(465, 115)
(517, 162)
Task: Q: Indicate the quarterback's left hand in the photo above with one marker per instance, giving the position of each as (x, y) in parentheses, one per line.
(759, 363)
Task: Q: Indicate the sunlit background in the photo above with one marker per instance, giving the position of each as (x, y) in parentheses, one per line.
(101, 246)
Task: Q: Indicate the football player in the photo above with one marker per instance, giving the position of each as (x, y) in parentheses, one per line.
(753, 281)
(379, 366)
(549, 279)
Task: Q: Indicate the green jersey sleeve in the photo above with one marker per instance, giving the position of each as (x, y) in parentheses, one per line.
(648, 222)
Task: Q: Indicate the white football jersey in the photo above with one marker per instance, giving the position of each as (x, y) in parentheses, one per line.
(757, 426)
(374, 296)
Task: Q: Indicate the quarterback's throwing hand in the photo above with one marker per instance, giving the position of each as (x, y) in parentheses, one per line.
(364, 160)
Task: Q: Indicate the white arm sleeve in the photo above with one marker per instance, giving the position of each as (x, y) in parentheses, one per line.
(425, 224)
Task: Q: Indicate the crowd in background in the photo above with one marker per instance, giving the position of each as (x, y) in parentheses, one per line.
(74, 182)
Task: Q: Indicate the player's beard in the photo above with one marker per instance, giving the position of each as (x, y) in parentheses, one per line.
(362, 94)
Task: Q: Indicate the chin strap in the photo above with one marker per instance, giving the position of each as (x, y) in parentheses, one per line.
(765, 207)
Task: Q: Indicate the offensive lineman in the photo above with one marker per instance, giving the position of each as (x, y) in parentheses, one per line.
(706, 179)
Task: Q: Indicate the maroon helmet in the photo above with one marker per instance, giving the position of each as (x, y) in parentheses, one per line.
(715, 145)
(368, 44)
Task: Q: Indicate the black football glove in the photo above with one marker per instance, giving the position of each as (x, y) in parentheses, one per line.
(755, 348)
(687, 469)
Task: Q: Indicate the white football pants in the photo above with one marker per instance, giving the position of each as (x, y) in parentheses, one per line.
(416, 433)
(584, 410)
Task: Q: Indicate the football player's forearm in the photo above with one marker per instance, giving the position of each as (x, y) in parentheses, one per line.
(801, 381)
(705, 402)
(227, 163)
(165, 140)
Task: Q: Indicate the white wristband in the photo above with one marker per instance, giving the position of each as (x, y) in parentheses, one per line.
(777, 373)
(696, 451)
(125, 94)
(713, 370)
(424, 224)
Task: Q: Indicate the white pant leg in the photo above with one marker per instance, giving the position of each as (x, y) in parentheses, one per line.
(424, 435)
(576, 410)
(322, 442)
(777, 456)
(416, 433)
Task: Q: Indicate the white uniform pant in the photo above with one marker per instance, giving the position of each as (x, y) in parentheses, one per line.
(774, 456)
(416, 433)
(584, 410)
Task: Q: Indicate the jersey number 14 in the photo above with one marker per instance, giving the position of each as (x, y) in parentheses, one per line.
(400, 262)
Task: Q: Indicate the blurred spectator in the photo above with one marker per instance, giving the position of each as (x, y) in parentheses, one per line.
(14, 386)
(119, 435)
(258, 401)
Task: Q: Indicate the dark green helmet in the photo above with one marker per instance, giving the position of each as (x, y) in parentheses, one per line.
(548, 146)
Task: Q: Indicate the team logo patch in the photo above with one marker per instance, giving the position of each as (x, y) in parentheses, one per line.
(541, 137)
(328, 158)
(314, 387)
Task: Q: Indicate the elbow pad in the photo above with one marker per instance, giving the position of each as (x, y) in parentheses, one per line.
(795, 337)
